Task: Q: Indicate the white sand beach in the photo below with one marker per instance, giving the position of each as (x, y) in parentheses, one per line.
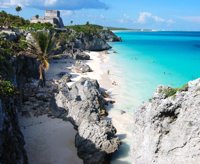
(52, 140)
(49, 141)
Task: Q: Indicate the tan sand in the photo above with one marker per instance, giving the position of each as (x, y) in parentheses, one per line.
(49, 141)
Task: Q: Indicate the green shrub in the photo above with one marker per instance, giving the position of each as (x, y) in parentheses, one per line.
(87, 29)
(37, 26)
(172, 91)
(10, 20)
(7, 88)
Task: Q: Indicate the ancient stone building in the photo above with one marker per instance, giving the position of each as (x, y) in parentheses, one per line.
(51, 16)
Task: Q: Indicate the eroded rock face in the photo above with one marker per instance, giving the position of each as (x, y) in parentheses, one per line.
(95, 139)
(91, 43)
(166, 130)
(109, 36)
(11, 139)
(102, 133)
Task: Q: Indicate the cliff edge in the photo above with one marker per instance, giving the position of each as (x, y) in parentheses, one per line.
(166, 129)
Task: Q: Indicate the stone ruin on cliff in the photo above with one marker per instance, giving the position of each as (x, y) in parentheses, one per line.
(51, 16)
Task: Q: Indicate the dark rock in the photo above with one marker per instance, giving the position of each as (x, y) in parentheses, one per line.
(11, 139)
(9, 35)
(122, 112)
(109, 36)
(65, 77)
(81, 56)
(91, 43)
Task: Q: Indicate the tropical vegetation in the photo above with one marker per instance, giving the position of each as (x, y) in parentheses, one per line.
(43, 45)
(12, 21)
(86, 29)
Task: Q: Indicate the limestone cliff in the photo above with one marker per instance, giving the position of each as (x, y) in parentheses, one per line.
(166, 129)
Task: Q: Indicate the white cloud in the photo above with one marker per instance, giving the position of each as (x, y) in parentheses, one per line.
(126, 19)
(55, 4)
(144, 17)
(50, 2)
(67, 12)
(193, 19)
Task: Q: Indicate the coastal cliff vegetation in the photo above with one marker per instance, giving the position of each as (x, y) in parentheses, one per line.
(13, 21)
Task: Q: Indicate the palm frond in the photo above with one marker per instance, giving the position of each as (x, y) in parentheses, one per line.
(43, 45)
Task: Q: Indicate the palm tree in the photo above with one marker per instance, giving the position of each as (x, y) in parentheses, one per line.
(87, 23)
(18, 9)
(42, 47)
(37, 16)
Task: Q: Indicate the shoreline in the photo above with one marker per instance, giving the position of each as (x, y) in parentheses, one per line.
(42, 126)
(101, 63)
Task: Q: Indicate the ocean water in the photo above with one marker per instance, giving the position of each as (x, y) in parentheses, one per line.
(146, 60)
(142, 62)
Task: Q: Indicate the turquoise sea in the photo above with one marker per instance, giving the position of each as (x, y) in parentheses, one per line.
(142, 62)
(150, 59)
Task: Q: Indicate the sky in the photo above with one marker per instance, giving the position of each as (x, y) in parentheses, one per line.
(134, 14)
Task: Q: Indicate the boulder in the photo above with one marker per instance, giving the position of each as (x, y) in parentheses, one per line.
(65, 77)
(81, 56)
(166, 129)
(81, 67)
(94, 136)
(86, 101)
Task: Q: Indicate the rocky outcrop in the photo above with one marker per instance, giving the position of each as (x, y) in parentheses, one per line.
(96, 42)
(21, 70)
(81, 56)
(65, 77)
(92, 43)
(11, 139)
(95, 139)
(109, 36)
(81, 67)
(77, 54)
(9, 35)
(166, 129)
